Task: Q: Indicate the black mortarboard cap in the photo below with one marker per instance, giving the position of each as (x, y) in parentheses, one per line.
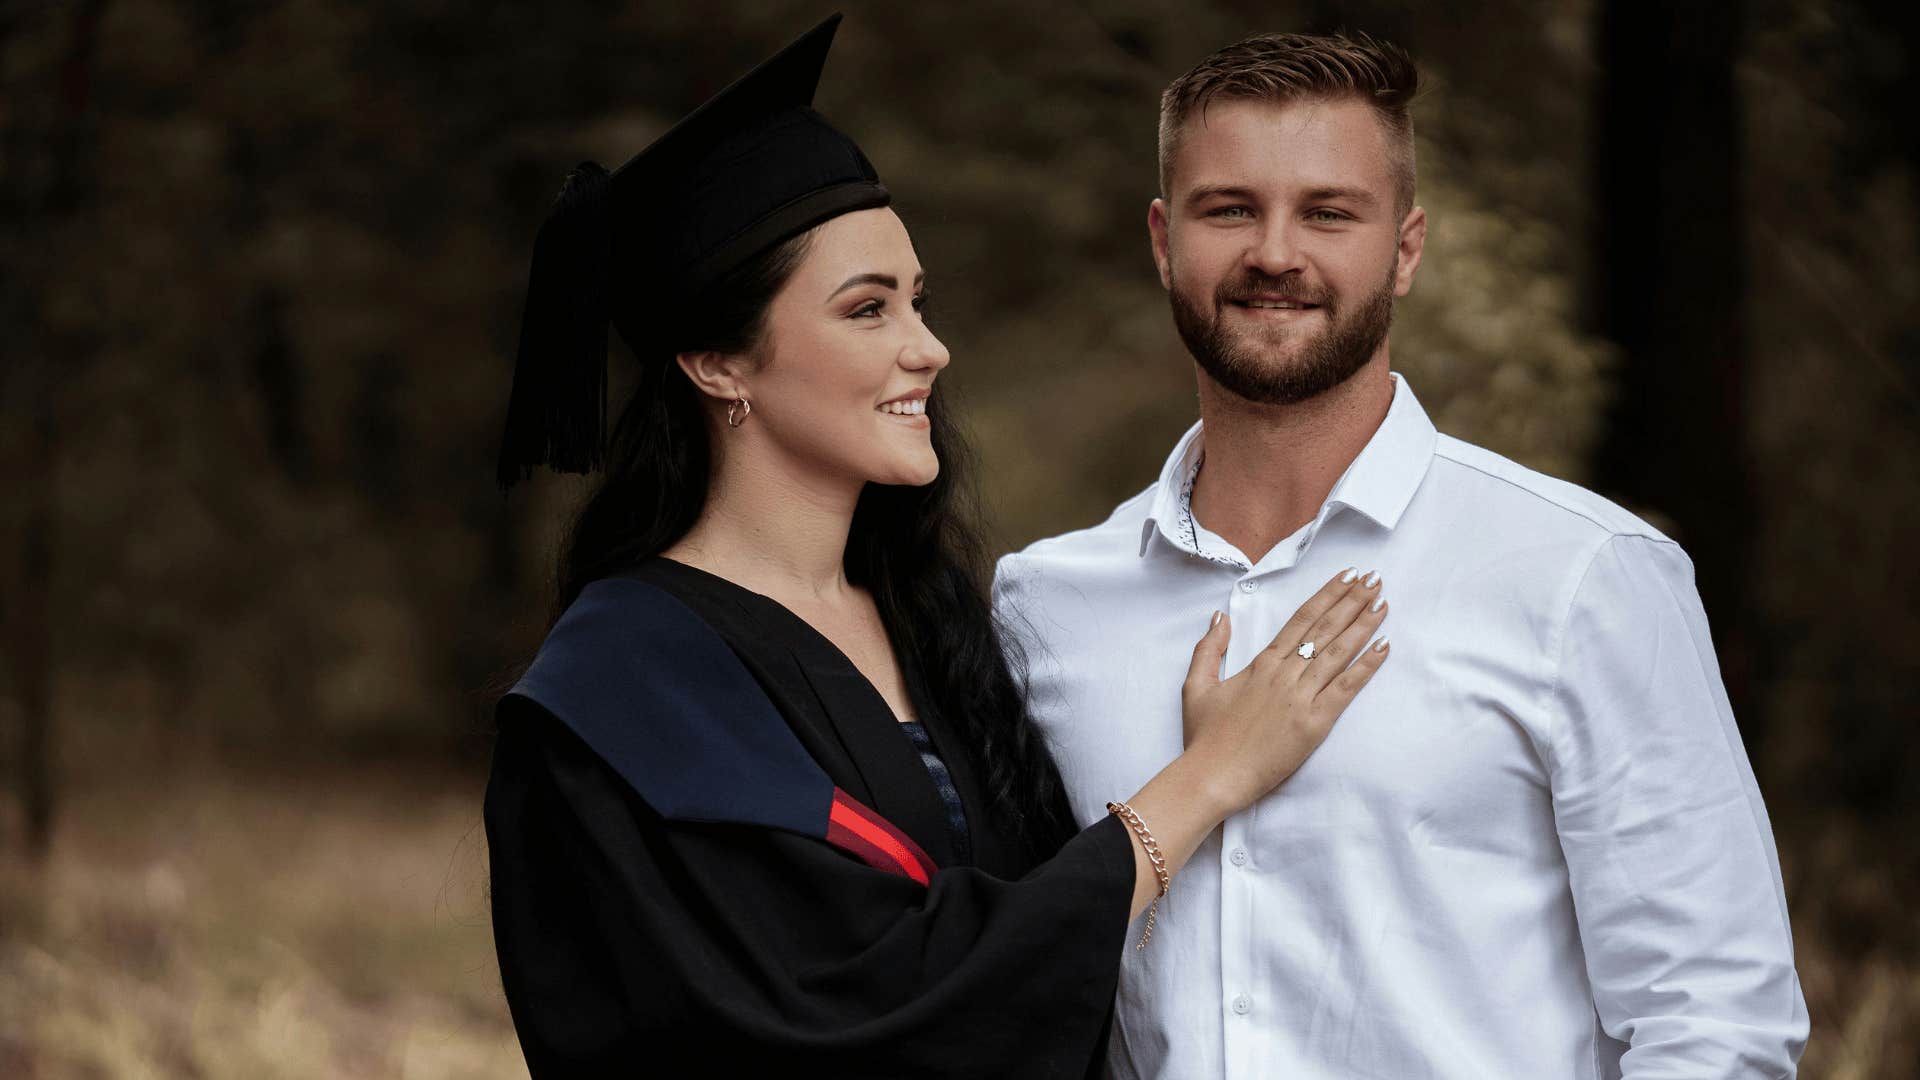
(753, 166)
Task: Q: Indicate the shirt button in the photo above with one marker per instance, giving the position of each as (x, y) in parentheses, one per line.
(1242, 1005)
(1249, 586)
(1239, 856)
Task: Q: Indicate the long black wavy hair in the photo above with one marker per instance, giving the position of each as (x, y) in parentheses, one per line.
(917, 550)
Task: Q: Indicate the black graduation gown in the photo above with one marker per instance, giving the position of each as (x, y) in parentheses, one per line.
(670, 895)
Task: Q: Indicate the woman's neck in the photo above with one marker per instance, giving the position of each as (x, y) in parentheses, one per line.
(772, 528)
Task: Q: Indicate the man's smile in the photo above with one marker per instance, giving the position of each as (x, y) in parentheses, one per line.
(1275, 308)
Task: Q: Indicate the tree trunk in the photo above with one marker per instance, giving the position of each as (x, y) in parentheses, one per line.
(32, 645)
(40, 200)
(1671, 265)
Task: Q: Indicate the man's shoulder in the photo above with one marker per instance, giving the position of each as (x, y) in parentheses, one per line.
(1055, 577)
(1116, 537)
(1489, 483)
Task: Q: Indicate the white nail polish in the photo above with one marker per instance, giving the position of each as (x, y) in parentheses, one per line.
(1373, 579)
(1378, 604)
(1347, 578)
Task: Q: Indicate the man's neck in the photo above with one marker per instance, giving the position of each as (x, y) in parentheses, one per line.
(1269, 468)
(773, 528)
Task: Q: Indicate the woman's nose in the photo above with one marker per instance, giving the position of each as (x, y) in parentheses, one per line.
(925, 352)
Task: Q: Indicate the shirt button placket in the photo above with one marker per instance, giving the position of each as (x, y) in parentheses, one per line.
(1236, 896)
(1237, 968)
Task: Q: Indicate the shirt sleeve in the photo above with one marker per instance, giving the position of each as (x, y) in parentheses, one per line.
(1676, 883)
(1009, 586)
(630, 944)
(1015, 595)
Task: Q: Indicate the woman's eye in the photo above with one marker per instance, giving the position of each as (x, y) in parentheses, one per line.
(871, 308)
(920, 304)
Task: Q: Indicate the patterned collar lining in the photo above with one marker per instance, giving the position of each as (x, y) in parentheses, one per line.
(1190, 529)
(1379, 484)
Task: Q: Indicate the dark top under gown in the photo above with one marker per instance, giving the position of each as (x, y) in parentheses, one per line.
(659, 912)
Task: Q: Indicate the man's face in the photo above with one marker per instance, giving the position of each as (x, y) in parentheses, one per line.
(1280, 247)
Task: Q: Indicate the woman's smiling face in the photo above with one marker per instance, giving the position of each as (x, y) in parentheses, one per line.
(849, 360)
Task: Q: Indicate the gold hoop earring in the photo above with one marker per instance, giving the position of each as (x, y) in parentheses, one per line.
(741, 406)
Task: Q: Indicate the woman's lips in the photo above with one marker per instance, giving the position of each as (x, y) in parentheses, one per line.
(910, 411)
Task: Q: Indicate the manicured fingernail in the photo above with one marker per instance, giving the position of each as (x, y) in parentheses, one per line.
(1373, 579)
(1347, 578)
(1380, 646)
(1215, 622)
(1378, 604)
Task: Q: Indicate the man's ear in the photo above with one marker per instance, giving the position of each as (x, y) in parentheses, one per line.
(1413, 244)
(715, 374)
(1157, 233)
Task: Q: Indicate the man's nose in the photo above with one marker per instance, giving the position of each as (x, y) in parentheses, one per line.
(1275, 250)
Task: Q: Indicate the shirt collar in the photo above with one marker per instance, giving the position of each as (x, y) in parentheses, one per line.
(1379, 484)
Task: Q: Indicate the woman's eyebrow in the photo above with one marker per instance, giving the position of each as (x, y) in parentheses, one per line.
(887, 280)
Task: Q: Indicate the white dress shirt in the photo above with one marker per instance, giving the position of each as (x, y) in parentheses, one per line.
(1532, 848)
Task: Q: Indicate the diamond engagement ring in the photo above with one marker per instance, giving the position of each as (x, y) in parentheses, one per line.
(1305, 650)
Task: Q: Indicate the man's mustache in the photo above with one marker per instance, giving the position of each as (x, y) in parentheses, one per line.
(1286, 287)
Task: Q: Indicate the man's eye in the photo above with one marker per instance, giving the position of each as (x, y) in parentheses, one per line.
(1327, 217)
(1231, 212)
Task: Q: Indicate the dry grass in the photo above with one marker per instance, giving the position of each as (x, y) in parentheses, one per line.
(1850, 893)
(276, 926)
(333, 924)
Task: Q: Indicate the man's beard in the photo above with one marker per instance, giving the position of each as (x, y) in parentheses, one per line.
(1256, 371)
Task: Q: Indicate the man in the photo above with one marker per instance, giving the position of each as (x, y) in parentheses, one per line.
(1533, 848)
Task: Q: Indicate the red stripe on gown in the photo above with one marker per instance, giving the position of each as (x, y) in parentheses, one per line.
(855, 828)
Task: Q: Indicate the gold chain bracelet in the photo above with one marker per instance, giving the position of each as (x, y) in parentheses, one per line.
(1154, 859)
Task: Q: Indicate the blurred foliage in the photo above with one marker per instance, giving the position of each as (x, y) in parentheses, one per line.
(262, 270)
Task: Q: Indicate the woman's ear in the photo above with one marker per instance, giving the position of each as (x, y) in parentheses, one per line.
(717, 375)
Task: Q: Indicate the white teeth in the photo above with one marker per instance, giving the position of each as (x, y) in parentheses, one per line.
(916, 407)
(1283, 305)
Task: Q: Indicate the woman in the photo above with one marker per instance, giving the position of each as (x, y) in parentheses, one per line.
(767, 798)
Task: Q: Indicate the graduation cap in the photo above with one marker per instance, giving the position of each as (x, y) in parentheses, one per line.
(753, 166)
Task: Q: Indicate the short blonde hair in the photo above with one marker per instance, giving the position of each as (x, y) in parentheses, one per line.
(1281, 68)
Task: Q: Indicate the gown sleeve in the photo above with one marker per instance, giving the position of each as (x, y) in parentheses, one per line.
(634, 944)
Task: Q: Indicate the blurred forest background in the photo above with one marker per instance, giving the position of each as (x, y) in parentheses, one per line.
(260, 277)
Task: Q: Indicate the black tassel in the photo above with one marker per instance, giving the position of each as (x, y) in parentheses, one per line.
(557, 415)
